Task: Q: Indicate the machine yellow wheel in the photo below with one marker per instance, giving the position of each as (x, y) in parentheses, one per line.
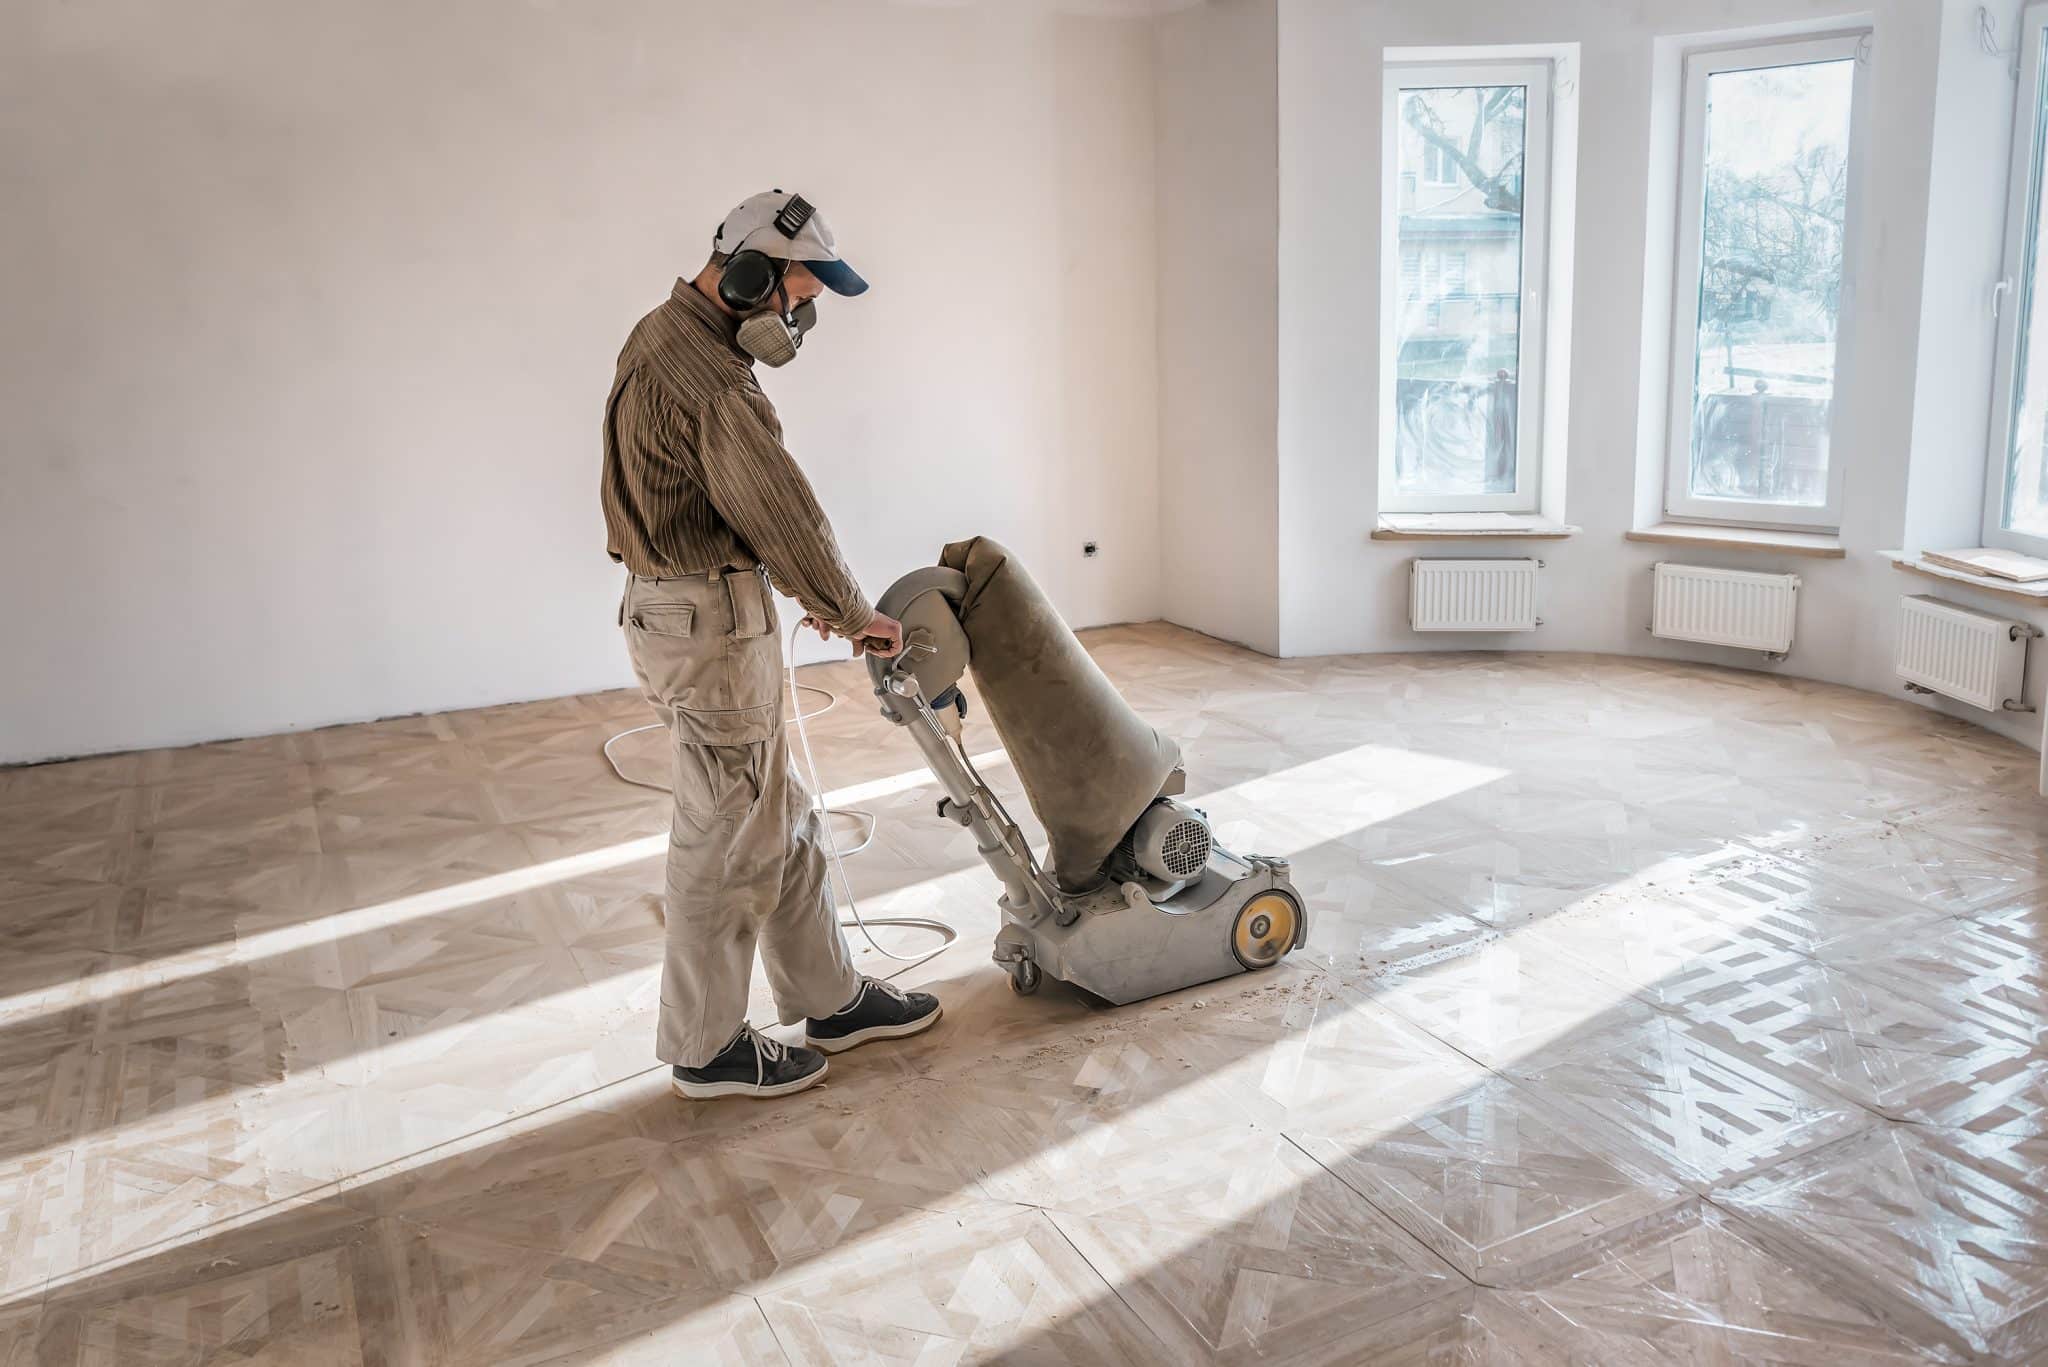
(1266, 928)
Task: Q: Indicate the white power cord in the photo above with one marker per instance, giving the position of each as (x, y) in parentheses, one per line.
(825, 815)
(831, 846)
(866, 818)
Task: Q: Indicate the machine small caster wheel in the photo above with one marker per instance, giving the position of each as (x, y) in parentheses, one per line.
(1025, 976)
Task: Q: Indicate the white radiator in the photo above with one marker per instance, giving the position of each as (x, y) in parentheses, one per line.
(1725, 607)
(1473, 595)
(1971, 656)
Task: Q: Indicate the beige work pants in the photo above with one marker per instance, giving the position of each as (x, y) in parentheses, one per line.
(746, 865)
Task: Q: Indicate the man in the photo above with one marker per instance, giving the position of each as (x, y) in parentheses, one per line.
(706, 508)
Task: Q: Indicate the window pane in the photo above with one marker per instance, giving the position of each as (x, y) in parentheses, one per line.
(1457, 331)
(1776, 198)
(2026, 469)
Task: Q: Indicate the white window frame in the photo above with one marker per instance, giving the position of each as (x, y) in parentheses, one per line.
(1679, 503)
(2016, 283)
(1538, 78)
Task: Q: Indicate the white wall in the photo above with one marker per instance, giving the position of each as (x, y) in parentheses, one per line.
(1219, 374)
(307, 314)
(1339, 591)
(1947, 458)
(1965, 230)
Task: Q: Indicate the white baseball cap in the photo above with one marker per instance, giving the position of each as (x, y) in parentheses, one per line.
(785, 226)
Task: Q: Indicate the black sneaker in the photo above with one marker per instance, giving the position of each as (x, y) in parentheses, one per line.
(752, 1065)
(879, 1010)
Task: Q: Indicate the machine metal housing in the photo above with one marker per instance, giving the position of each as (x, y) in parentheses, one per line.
(1173, 907)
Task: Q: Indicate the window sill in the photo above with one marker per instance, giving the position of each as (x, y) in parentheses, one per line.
(1822, 545)
(2036, 594)
(1469, 527)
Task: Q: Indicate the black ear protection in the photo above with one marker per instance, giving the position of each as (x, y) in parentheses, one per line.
(748, 279)
(750, 276)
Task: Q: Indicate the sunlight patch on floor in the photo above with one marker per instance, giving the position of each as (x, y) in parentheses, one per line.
(1322, 799)
(1310, 804)
(155, 973)
(1276, 1070)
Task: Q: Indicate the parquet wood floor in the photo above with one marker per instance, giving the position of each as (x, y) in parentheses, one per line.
(1653, 1013)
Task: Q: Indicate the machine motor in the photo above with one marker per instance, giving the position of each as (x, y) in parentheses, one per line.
(1170, 842)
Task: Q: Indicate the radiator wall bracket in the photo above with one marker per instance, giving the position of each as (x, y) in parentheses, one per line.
(2009, 705)
(2022, 631)
(1771, 656)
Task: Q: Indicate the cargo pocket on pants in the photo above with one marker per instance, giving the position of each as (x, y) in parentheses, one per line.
(715, 782)
(749, 704)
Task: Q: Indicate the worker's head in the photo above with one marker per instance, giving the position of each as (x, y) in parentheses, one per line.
(770, 259)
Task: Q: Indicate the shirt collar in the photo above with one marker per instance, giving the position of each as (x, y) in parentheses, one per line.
(692, 300)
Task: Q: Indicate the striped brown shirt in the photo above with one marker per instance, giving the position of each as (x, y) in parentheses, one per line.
(695, 474)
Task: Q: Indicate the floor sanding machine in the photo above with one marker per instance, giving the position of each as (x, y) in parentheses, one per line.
(1134, 897)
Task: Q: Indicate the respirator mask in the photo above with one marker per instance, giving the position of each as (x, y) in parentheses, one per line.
(772, 337)
(751, 286)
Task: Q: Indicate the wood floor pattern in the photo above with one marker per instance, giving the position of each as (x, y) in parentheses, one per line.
(1653, 1013)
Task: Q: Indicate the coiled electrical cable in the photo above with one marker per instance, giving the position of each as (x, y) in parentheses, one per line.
(865, 818)
(825, 815)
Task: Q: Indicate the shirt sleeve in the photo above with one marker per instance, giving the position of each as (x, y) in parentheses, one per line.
(756, 486)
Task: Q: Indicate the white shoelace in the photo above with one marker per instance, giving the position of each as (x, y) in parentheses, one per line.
(766, 1051)
(888, 988)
